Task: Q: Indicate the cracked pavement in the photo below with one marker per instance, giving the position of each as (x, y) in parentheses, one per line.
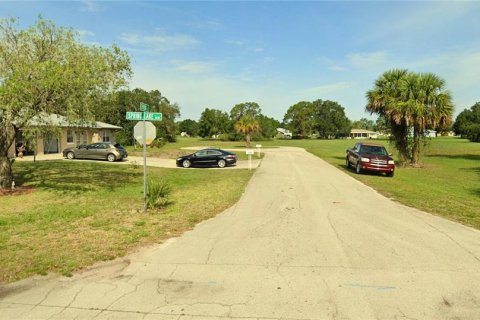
(305, 241)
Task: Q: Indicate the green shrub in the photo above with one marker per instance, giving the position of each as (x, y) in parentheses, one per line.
(158, 194)
(157, 143)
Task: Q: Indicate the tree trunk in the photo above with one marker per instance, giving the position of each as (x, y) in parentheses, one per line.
(6, 173)
(247, 140)
(6, 139)
(416, 146)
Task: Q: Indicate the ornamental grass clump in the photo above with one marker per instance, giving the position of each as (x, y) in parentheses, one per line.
(158, 194)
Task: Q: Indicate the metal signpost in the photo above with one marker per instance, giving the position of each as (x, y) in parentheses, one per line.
(249, 152)
(144, 132)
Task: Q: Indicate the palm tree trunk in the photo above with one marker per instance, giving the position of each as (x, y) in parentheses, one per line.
(247, 140)
(416, 146)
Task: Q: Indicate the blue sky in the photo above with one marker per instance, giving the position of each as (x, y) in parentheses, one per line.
(217, 54)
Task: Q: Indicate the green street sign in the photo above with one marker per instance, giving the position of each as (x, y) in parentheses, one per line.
(144, 107)
(140, 116)
(153, 116)
(134, 116)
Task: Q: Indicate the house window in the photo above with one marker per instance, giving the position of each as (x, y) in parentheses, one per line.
(69, 136)
(105, 136)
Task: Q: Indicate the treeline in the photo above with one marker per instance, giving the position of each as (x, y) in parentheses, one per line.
(322, 119)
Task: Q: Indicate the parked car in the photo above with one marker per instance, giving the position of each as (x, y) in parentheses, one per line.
(101, 150)
(208, 157)
(370, 157)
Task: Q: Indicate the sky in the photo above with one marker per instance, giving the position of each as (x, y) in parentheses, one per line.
(205, 54)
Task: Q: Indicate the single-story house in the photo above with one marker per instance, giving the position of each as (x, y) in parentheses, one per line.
(67, 135)
(363, 134)
(430, 133)
(284, 133)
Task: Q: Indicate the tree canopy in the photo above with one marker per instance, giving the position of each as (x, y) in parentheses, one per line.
(467, 123)
(364, 123)
(213, 122)
(325, 118)
(330, 120)
(300, 119)
(189, 126)
(46, 69)
(410, 103)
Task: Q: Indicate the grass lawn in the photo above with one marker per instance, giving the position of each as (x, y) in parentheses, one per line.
(448, 185)
(84, 212)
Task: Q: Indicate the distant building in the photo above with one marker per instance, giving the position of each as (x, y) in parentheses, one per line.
(363, 134)
(430, 133)
(285, 133)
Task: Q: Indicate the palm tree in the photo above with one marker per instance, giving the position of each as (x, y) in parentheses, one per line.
(384, 100)
(247, 125)
(410, 100)
(426, 104)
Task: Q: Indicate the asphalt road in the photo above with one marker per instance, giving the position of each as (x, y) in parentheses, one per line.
(306, 241)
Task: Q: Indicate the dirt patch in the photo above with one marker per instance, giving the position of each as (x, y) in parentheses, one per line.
(16, 191)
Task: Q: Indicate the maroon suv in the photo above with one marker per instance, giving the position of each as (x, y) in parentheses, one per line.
(370, 157)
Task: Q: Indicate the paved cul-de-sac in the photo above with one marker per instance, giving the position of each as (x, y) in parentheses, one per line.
(305, 241)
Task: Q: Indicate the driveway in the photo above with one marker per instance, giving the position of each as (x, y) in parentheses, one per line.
(151, 161)
(305, 241)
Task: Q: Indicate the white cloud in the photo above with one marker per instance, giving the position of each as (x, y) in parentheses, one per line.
(90, 6)
(362, 60)
(329, 88)
(85, 33)
(195, 92)
(235, 42)
(194, 66)
(160, 42)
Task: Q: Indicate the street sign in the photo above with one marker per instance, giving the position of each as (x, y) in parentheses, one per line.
(139, 116)
(144, 132)
(153, 116)
(249, 151)
(134, 116)
(150, 132)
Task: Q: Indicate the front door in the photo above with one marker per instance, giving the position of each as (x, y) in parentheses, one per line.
(50, 144)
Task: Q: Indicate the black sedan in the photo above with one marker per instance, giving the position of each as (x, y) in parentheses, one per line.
(208, 157)
(103, 151)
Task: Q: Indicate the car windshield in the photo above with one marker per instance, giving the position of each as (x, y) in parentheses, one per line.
(375, 150)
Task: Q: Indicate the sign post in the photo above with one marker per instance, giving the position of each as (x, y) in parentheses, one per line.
(144, 132)
(249, 152)
(259, 149)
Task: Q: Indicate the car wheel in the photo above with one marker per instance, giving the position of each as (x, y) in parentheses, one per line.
(111, 157)
(186, 163)
(390, 174)
(221, 163)
(70, 155)
(358, 168)
(348, 163)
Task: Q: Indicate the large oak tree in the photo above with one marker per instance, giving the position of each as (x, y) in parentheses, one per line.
(46, 69)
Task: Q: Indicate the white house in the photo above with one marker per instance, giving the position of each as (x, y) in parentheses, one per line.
(286, 133)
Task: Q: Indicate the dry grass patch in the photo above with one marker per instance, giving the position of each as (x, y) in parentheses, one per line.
(85, 212)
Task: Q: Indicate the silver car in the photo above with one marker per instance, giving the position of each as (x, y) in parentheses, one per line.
(101, 150)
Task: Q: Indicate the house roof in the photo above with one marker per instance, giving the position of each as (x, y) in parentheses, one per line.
(57, 120)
